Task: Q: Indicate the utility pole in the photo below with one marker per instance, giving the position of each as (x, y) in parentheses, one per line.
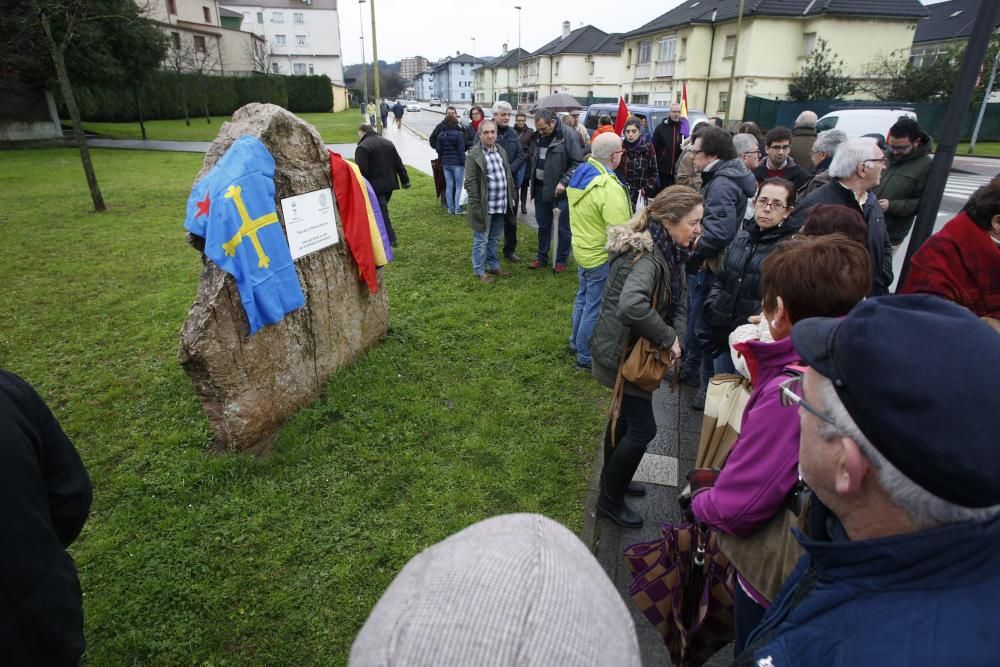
(982, 107)
(378, 88)
(519, 52)
(732, 69)
(364, 72)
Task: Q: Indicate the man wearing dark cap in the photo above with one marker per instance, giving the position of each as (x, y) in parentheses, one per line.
(899, 439)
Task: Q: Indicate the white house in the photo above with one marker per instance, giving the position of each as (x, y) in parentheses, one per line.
(202, 37)
(453, 80)
(498, 77)
(303, 36)
(583, 63)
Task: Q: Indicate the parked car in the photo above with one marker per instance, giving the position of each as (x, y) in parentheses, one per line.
(859, 122)
(654, 115)
(435, 102)
(413, 106)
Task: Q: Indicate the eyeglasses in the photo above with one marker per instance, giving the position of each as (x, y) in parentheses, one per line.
(769, 203)
(791, 397)
(749, 153)
(883, 161)
(780, 147)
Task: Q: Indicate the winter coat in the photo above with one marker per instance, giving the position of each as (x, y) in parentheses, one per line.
(637, 168)
(738, 293)
(563, 155)
(803, 139)
(903, 183)
(509, 141)
(466, 134)
(686, 173)
(821, 176)
(379, 162)
(597, 201)
(626, 309)
(920, 598)
(398, 110)
(791, 171)
(667, 141)
(451, 146)
(726, 188)
(477, 209)
(878, 238)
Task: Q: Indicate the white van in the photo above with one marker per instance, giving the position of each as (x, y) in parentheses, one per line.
(859, 122)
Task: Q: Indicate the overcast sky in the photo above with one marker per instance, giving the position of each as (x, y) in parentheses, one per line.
(437, 28)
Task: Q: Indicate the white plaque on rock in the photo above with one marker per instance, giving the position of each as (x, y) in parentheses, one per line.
(310, 222)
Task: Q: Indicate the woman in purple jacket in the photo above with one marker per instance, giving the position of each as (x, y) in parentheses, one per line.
(803, 277)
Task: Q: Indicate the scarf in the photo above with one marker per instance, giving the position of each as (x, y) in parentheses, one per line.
(637, 145)
(675, 259)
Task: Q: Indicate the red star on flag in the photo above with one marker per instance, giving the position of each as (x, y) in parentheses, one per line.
(203, 207)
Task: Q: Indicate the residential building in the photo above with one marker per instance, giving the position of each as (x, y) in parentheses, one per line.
(410, 67)
(583, 63)
(203, 37)
(696, 42)
(948, 25)
(423, 85)
(498, 77)
(453, 78)
(302, 36)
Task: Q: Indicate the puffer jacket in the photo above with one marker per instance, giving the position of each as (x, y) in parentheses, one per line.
(451, 146)
(902, 184)
(637, 168)
(738, 293)
(726, 188)
(626, 309)
(562, 157)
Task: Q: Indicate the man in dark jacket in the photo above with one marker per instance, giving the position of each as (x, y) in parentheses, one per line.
(856, 169)
(667, 141)
(509, 141)
(905, 178)
(902, 557)
(777, 163)
(727, 185)
(46, 499)
(803, 137)
(379, 162)
(526, 135)
(553, 160)
(821, 154)
(397, 113)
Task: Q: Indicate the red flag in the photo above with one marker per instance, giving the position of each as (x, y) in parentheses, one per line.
(622, 116)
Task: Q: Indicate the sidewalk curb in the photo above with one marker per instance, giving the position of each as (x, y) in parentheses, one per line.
(589, 533)
(415, 131)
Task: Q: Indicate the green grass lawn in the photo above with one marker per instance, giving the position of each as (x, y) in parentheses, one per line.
(983, 149)
(335, 128)
(468, 409)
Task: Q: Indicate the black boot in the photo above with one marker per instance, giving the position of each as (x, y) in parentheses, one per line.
(618, 511)
(635, 489)
(615, 478)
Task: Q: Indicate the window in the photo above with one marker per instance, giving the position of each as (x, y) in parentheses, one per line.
(723, 101)
(678, 98)
(591, 66)
(171, 6)
(299, 68)
(275, 69)
(645, 47)
(208, 14)
(300, 40)
(199, 44)
(277, 17)
(298, 17)
(557, 68)
(279, 40)
(667, 48)
(808, 44)
(311, 70)
(463, 96)
(175, 40)
(260, 17)
(684, 48)
(640, 98)
(730, 46)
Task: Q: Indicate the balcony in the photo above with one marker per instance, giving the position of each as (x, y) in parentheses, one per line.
(665, 68)
(642, 71)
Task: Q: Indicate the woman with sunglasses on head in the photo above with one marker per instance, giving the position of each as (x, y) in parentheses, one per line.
(637, 168)
(802, 277)
(737, 294)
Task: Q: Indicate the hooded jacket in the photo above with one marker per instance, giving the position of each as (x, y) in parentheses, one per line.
(902, 183)
(561, 158)
(626, 309)
(637, 168)
(597, 200)
(726, 188)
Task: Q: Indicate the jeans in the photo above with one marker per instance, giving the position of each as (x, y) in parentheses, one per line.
(484, 245)
(747, 615)
(692, 346)
(634, 430)
(586, 309)
(544, 218)
(724, 363)
(383, 203)
(454, 177)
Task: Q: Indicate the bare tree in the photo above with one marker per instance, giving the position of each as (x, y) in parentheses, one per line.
(178, 57)
(261, 55)
(201, 62)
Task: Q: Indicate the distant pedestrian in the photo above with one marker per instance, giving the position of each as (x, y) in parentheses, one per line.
(397, 112)
(490, 186)
(644, 128)
(580, 129)
(637, 167)
(526, 135)
(604, 124)
(667, 140)
(821, 156)
(379, 162)
(778, 164)
(383, 109)
(573, 123)
(803, 136)
(555, 156)
(507, 138)
(47, 498)
(905, 178)
(450, 143)
(597, 201)
(371, 111)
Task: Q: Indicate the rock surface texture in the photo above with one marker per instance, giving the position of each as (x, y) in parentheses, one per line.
(249, 385)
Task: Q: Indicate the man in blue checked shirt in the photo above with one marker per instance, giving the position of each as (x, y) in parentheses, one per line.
(490, 186)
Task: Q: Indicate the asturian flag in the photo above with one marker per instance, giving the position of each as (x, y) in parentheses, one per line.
(232, 208)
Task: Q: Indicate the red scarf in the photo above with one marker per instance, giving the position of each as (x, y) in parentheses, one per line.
(960, 263)
(475, 124)
(354, 217)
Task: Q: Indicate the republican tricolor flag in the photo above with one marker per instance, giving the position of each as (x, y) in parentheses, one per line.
(685, 126)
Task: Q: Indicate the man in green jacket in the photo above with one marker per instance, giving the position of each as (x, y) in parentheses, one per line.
(597, 200)
(904, 180)
(490, 187)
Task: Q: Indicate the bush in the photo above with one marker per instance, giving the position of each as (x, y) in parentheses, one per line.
(265, 89)
(309, 93)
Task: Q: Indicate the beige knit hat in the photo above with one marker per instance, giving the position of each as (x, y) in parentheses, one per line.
(518, 589)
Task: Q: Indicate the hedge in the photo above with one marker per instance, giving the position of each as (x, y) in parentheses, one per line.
(163, 95)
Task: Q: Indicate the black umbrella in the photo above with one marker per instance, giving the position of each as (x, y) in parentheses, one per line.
(557, 102)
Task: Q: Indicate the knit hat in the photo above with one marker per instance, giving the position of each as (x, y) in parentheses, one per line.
(518, 589)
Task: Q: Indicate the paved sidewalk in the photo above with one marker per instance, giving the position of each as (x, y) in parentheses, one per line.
(669, 457)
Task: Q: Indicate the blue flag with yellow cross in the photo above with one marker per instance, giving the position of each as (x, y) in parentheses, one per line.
(232, 208)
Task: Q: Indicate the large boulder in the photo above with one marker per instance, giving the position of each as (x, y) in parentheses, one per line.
(249, 385)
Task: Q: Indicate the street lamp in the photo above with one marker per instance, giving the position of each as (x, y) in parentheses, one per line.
(364, 73)
(518, 8)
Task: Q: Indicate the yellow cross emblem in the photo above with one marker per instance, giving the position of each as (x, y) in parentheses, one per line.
(249, 228)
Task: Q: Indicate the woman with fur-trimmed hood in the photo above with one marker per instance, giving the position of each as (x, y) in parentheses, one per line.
(647, 256)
